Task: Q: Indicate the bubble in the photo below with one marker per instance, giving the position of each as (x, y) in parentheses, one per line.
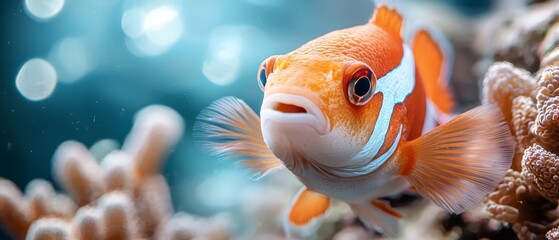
(36, 79)
(43, 9)
(73, 59)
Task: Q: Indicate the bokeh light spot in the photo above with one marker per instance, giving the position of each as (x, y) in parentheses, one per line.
(36, 79)
(151, 31)
(43, 9)
(132, 22)
(163, 25)
(221, 71)
(222, 65)
(73, 59)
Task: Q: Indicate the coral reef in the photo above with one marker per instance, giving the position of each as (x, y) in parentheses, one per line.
(528, 196)
(123, 197)
(517, 202)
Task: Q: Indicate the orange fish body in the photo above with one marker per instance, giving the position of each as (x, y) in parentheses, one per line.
(355, 115)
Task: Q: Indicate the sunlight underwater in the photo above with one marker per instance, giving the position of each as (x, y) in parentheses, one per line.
(114, 192)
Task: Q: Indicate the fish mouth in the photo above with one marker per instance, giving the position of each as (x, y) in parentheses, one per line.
(285, 108)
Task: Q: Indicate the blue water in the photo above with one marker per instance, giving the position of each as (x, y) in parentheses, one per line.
(190, 53)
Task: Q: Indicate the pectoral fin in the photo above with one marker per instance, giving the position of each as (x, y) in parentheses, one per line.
(456, 164)
(230, 128)
(307, 209)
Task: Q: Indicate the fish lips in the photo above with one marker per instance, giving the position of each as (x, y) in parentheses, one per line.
(288, 111)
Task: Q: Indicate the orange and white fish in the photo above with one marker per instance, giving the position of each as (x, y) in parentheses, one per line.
(356, 115)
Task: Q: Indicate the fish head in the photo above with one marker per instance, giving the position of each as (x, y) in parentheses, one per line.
(319, 104)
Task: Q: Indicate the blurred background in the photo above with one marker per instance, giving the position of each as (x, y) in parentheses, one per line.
(76, 69)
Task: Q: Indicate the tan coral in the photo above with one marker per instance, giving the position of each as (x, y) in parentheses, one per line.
(185, 226)
(156, 129)
(14, 217)
(123, 197)
(42, 201)
(546, 126)
(87, 224)
(153, 203)
(78, 172)
(50, 229)
(541, 167)
(548, 85)
(517, 202)
(503, 83)
(118, 173)
(118, 216)
(524, 114)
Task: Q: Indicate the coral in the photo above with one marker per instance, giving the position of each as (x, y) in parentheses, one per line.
(13, 214)
(50, 229)
(547, 122)
(527, 197)
(184, 226)
(517, 202)
(524, 115)
(123, 197)
(503, 82)
(540, 167)
(78, 172)
(521, 39)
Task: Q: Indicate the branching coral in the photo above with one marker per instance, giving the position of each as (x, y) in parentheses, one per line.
(547, 122)
(503, 82)
(527, 198)
(524, 115)
(540, 167)
(123, 197)
(517, 202)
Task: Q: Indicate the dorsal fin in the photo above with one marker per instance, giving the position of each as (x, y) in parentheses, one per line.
(389, 19)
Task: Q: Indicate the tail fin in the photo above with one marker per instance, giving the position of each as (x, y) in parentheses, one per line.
(458, 163)
(434, 58)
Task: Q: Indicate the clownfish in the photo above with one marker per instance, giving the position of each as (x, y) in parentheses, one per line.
(359, 114)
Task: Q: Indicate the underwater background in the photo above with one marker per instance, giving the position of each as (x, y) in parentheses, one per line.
(112, 58)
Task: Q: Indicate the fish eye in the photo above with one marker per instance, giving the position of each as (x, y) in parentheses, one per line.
(361, 81)
(264, 71)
